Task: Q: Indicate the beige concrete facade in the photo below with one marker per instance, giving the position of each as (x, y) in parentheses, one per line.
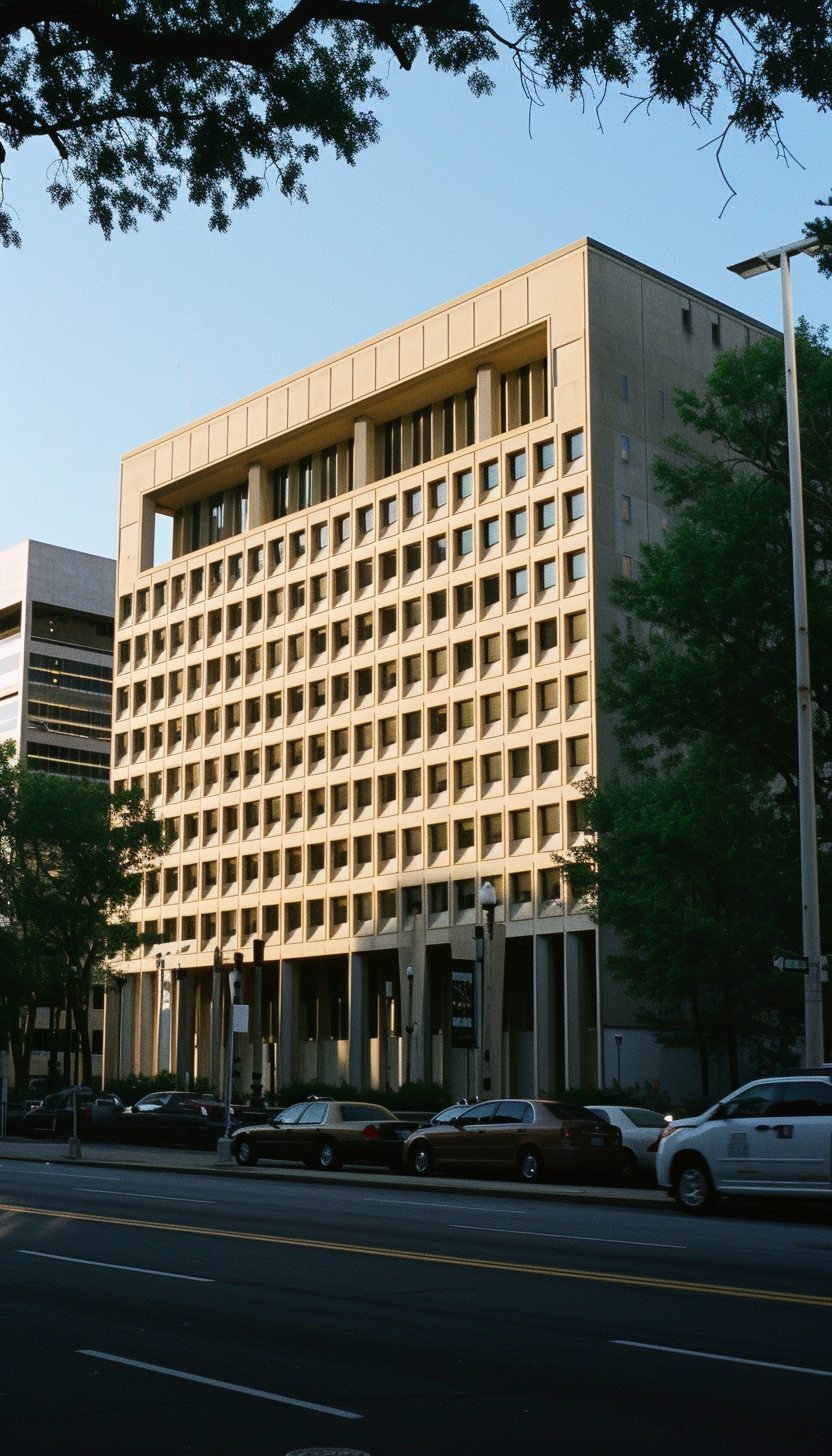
(365, 682)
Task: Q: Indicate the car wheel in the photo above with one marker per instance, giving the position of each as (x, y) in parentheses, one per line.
(692, 1187)
(245, 1153)
(420, 1160)
(329, 1157)
(529, 1165)
(630, 1171)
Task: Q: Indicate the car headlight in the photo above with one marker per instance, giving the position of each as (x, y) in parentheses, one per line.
(669, 1131)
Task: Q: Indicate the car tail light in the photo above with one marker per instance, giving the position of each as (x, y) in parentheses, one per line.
(86, 1112)
(371, 1132)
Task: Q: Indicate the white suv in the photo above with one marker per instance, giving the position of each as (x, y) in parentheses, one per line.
(771, 1137)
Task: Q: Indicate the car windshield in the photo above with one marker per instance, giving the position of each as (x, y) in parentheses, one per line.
(51, 1102)
(565, 1113)
(292, 1114)
(450, 1114)
(643, 1117)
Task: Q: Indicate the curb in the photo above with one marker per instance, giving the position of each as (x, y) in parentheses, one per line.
(646, 1198)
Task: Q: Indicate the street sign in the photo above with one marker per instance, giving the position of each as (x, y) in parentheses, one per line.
(463, 1020)
(792, 963)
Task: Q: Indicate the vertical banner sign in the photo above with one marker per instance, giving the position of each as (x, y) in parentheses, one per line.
(463, 1017)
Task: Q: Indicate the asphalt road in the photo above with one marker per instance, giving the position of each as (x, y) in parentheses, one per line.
(286, 1318)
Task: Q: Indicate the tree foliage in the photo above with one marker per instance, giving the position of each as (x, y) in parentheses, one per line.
(222, 95)
(70, 858)
(693, 856)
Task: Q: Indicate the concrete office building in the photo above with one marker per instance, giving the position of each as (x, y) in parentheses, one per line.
(365, 682)
(56, 681)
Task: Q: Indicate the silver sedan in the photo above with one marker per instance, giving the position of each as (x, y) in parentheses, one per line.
(641, 1129)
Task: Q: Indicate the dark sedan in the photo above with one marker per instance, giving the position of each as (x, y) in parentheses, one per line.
(175, 1119)
(531, 1139)
(324, 1134)
(53, 1117)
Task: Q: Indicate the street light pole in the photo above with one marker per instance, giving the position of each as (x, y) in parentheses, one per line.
(751, 268)
(488, 900)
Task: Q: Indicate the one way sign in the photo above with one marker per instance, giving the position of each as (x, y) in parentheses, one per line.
(792, 963)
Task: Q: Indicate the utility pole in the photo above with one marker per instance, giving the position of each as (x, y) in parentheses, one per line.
(237, 1021)
(409, 1028)
(256, 1099)
(488, 900)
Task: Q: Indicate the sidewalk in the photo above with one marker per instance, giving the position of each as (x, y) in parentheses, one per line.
(178, 1160)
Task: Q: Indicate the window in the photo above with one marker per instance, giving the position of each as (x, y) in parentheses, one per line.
(339, 743)
(412, 784)
(363, 737)
(464, 656)
(464, 484)
(518, 583)
(364, 521)
(547, 696)
(364, 682)
(577, 688)
(464, 714)
(342, 529)
(438, 898)
(412, 726)
(519, 763)
(386, 733)
(625, 447)
(412, 843)
(413, 612)
(627, 566)
(413, 669)
(387, 676)
(547, 574)
(578, 751)
(464, 774)
(413, 558)
(464, 597)
(716, 333)
(490, 533)
(438, 494)
(317, 748)
(548, 754)
(518, 643)
(521, 824)
(492, 829)
(573, 446)
(387, 787)
(413, 900)
(438, 778)
(438, 837)
(576, 626)
(518, 524)
(492, 768)
(387, 563)
(466, 895)
(490, 591)
(518, 700)
(389, 511)
(549, 817)
(438, 662)
(517, 465)
(546, 515)
(438, 605)
(687, 317)
(437, 721)
(491, 708)
(413, 503)
(438, 550)
(576, 816)
(490, 475)
(363, 794)
(521, 888)
(364, 627)
(364, 574)
(464, 834)
(339, 798)
(576, 565)
(546, 455)
(575, 506)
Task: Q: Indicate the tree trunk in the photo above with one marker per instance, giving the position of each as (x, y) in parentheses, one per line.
(28, 1041)
(701, 1044)
(81, 1013)
(54, 1034)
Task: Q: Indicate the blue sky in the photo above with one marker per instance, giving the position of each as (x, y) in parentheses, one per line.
(98, 336)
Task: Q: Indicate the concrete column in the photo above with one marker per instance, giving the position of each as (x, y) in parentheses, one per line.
(216, 1026)
(437, 431)
(407, 442)
(228, 522)
(572, 1008)
(259, 495)
(185, 1026)
(359, 1021)
(147, 532)
(342, 468)
(488, 402)
(203, 1028)
(109, 1061)
(460, 422)
(364, 450)
(287, 1046)
(129, 998)
(317, 479)
(146, 1058)
(544, 1017)
(496, 950)
(539, 402)
(179, 533)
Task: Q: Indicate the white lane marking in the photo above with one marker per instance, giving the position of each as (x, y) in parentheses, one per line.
(578, 1238)
(158, 1197)
(421, 1203)
(327, 1410)
(130, 1268)
(729, 1359)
